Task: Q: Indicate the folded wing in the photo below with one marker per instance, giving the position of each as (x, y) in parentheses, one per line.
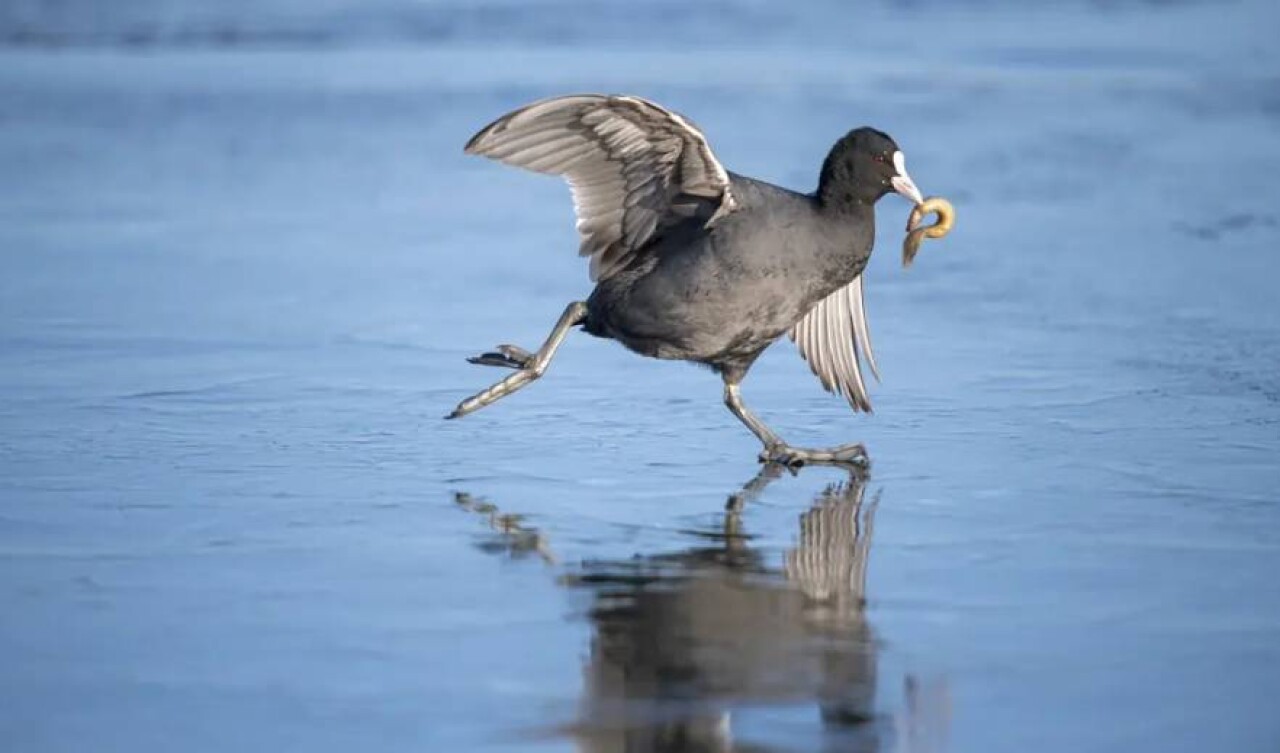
(834, 339)
(634, 167)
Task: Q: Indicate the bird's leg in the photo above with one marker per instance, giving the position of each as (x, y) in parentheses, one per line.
(777, 451)
(733, 399)
(529, 366)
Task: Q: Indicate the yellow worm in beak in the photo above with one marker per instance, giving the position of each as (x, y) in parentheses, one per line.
(916, 234)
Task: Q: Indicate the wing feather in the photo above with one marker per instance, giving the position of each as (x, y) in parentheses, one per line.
(628, 162)
(834, 338)
(861, 330)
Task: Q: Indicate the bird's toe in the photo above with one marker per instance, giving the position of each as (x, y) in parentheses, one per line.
(783, 455)
(508, 356)
(515, 353)
(794, 458)
(851, 453)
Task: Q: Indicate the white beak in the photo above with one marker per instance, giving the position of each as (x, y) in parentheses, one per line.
(902, 182)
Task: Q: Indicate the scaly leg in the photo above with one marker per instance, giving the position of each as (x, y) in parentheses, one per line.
(777, 451)
(528, 366)
(733, 399)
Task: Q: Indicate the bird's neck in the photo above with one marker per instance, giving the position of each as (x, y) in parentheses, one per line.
(840, 206)
(849, 229)
(842, 192)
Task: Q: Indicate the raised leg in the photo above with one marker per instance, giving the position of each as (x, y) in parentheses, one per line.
(777, 451)
(529, 366)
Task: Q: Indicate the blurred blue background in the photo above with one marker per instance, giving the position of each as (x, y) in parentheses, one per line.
(242, 260)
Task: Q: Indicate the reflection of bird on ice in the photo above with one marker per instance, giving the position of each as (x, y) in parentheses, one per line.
(680, 639)
(668, 663)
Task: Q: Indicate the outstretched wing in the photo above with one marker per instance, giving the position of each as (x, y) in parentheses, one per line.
(633, 167)
(833, 337)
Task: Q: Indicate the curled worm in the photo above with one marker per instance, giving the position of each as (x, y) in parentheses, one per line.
(916, 234)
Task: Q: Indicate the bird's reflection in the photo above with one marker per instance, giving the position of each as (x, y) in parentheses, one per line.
(683, 641)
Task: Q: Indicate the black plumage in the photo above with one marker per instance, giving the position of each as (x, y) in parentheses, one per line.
(693, 262)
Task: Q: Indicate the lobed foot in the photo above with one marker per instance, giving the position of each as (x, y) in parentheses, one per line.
(464, 407)
(510, 356)
(794, 457)
(504, 387)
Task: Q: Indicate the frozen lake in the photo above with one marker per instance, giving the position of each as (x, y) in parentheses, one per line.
(242, 260)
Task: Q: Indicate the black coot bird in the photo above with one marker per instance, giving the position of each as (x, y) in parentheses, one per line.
(695, 263)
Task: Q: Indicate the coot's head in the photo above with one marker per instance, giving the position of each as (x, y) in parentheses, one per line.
(863, 166)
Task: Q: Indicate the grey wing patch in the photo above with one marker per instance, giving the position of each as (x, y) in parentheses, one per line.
(628, 162)
(834, 339)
